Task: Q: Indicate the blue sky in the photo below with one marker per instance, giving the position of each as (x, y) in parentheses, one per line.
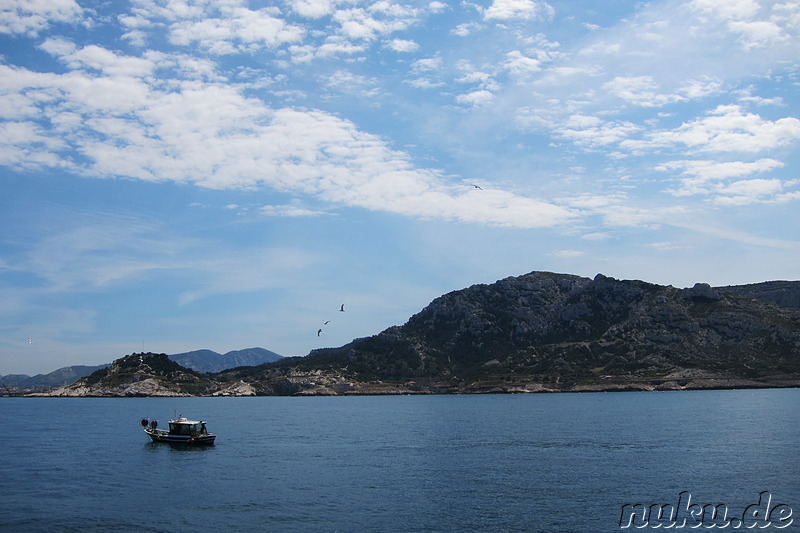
(186, 174)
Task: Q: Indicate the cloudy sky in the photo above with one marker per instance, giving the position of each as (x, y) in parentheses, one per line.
(222, 174)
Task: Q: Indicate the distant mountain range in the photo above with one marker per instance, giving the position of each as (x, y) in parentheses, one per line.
(540, 332)
(199, 360)
(57, 378)
(210, 361)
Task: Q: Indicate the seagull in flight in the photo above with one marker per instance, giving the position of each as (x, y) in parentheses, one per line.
(319, 331)
(326, 322)
(342, 308)
(477, 187)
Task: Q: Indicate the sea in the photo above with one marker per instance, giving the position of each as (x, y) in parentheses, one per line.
(462, 463)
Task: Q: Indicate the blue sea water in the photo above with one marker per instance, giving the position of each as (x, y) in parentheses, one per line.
(534, 463)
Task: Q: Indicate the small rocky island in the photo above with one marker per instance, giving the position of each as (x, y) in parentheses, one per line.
(540, 332)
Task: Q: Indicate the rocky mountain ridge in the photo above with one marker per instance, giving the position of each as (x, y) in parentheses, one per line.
(549, 332)
(207, 361)
(61, 376)
(545, 331)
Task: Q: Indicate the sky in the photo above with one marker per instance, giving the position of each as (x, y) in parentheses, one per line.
(195, 174)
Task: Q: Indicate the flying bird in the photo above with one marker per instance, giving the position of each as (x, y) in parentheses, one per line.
(319, 331)
(30, 341)
(477, 187)
(342, 308)
(326, 322)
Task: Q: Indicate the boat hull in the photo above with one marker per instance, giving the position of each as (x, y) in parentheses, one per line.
(163, 436)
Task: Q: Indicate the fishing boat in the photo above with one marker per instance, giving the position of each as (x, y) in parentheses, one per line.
(181, 431)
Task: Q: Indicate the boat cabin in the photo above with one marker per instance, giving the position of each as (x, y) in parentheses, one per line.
(190, 428)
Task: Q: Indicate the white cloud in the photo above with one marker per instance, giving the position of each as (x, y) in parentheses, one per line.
(465, 29)
(97, 58)
(757, 34)
(728, 9)
(25, 145)
(644, 91)
(58, 47)
(437, 7)
(486, 85)
(632, 216)
(422, 68)
(749, 98)
(337, 46)
(17, 106)
(172, 10)
(402, 45)
(290, 211)
(517, 9)
(700, 88)
(716, 170)
(424, 83)
(590, 131)
(379, 19)
(349, 83)
(755, 25)
(472, 75)
(639, 90)
(426, 64)
(521, 65)
(747, 192)
(566, 254)
(212, 136)
(475, 98)
(598, 236)
(237, 29)
(702, 176)
(313, 8)
(725, 129)
(356, 24)
(643, 60)
(33, 16)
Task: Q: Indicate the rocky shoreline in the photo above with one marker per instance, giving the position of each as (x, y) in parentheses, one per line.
(149, 388)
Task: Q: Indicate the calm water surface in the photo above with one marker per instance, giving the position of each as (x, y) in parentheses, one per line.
(537, 463)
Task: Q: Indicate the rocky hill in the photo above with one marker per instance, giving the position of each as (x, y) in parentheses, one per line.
(143, 374)
(556, 332)
(545, 331)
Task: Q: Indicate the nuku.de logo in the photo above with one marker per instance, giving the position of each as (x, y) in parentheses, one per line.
(759, 515)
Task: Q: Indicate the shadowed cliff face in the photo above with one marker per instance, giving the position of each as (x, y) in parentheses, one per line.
(540, 331)
(550, 325)
(781, 293)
